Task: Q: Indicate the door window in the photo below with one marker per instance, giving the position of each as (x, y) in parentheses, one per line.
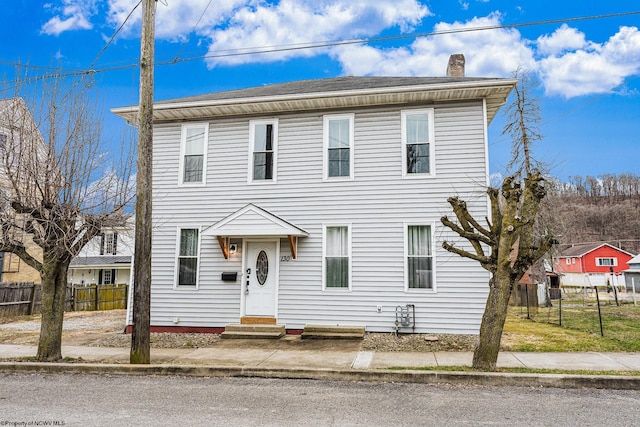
(262, 267)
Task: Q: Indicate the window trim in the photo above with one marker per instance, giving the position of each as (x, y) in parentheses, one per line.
(599, 261)
(176, 285)
(325, 146)
(183, 148)
(274, 142)
(434, 288)
(432, 142)
(324, 257)
(104, 243)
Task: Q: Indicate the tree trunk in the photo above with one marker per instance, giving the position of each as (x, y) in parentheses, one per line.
(54, 288)
(485, 355)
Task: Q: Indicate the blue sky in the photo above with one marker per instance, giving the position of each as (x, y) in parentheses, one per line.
(589, 69)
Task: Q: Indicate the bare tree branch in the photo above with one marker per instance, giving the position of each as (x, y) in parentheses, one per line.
(59, 189)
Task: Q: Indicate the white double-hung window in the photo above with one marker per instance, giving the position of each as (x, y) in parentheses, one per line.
(263, 146)
(418, 143)
(337, 257)
(193, 150)
(188, 257)
(607, 262)
(419, 264)
(338, 146)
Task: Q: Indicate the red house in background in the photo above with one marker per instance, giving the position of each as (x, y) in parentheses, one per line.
(591, 264)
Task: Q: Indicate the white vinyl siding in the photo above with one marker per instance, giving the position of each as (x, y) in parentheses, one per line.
(377, 204)
(263, 143)
(418, 143)
(188, 259)
(337, 257)
(338, 146)
(193, 162)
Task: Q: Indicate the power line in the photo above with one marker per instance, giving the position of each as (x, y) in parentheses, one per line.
(82, 73)
(192, 31)
(258, 50)
(106, 46)
(315, 45)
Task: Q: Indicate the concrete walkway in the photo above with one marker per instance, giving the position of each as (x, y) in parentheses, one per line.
(254, 356)
(339, 361)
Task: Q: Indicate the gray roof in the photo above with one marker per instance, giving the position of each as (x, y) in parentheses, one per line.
(580, 250)
(103, 260)
(338, 84)
(329, 94)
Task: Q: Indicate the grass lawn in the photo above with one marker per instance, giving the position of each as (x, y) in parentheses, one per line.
(580, 330)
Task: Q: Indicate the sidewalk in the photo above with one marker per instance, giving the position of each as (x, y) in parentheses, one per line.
(343, 361)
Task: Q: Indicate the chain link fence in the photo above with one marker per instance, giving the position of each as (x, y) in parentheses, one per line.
(596, 309)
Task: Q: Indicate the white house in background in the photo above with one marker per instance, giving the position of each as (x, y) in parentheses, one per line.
(105, 260)
(319, 202)
(632, 275)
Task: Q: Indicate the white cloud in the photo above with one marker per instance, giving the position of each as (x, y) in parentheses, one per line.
(563, 39)
(176, 19)
(292, 22)
(567, 62)
(598, 69)
(488, 53)
(72, 15)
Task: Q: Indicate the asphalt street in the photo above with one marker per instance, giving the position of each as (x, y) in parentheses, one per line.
(121, 400)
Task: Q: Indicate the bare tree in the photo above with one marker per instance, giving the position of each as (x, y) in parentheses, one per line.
(509, 244)
(56, 190)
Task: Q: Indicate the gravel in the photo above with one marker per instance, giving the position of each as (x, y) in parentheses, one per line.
(105, 329)
(160, 340)
(371, 342)
(419, 342)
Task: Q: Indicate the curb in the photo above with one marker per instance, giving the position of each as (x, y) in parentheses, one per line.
(495, 379)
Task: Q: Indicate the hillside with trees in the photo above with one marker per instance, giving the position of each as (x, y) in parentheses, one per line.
(605, 208)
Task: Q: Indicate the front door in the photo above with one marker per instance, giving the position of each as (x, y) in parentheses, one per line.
(260, 281)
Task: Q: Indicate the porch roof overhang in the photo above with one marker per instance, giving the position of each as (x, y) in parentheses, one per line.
(253, 221)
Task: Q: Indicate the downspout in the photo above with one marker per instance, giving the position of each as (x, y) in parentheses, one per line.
(1, 265)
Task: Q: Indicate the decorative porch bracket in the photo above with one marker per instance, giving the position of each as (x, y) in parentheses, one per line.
(293, 243)
(224, 245)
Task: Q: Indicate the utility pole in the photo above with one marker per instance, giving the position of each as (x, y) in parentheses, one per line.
(140, 338)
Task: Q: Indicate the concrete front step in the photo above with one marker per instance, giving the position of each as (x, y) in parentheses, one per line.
(240, 331)
(333, 332)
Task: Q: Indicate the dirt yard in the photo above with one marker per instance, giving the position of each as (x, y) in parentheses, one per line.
(106, 329)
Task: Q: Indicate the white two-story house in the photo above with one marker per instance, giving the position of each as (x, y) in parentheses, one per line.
(106, 259)
(319, 202)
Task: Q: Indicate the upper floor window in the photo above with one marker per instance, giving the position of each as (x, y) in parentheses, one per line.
(263, 148)
(337, 259)
(338, 146)
(188, 252)
(109, 244)
(419, 261)
(194, 153)
(417, 142)
(606, 262)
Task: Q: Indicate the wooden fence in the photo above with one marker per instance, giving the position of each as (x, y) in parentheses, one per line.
(20, 299)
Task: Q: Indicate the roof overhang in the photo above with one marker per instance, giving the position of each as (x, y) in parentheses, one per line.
(494, 91)
(253, 221)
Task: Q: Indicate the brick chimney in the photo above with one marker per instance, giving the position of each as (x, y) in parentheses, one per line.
(455, 68)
